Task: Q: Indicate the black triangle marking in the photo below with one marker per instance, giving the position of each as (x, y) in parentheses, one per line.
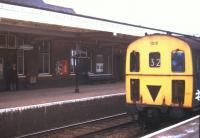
(153, 91)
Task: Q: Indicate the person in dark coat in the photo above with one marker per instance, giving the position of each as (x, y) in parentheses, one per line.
(13, 78)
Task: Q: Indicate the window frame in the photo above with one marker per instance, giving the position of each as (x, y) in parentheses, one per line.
(21, 56)
(157, 62)
(77, 53)
(100, 63)
(177, 71)
(43, 58)
(6, 41)
(73, 60)
(138, 62)
(18, 48)
(99, 67)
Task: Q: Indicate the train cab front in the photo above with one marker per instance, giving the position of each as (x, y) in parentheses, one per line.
(158, 77)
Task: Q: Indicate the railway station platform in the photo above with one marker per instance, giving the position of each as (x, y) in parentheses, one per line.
(32, 111)
(12, 99)
(185, 129)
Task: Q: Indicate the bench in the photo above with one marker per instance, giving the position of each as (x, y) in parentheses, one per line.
(92, 77)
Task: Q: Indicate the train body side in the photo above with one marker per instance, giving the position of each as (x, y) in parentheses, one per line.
(196, 82)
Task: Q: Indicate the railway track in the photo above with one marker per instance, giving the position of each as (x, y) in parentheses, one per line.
(118, 126)
(115, 131)
(85, 128)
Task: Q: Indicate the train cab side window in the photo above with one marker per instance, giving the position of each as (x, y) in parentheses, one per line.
(134, 61)
(178, 61)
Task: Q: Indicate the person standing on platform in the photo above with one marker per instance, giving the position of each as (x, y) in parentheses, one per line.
(13, 78)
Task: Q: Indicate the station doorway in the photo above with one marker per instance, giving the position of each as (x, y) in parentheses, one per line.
(7, 58)
(119, 66)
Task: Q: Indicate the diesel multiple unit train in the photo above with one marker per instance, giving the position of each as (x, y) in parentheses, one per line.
(163, 75)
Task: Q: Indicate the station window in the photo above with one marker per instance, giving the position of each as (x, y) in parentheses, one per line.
(134, 61)
(20, 62)
(178, 61)
(80, 53)
(154, 59)
(7, 40)
(99, 64)
(73, 60)
(11, 41)
(3, 41)
(20, 57)
(44, 57)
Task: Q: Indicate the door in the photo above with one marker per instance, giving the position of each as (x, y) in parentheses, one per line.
(7, 58)
(83, 67)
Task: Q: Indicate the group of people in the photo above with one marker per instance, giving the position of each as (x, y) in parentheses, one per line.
(12, 78)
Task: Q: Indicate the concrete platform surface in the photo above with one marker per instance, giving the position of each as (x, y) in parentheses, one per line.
(186, 129)
(26, 112)
(11, 99)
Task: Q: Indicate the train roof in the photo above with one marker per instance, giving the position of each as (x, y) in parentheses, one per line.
(193, 42)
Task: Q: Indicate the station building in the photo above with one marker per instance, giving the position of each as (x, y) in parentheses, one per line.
(47, 52)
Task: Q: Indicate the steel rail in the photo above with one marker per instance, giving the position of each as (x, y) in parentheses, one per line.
(91, 134)
(68, 126)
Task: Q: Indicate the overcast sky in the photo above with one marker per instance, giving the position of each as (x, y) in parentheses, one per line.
(181, 16)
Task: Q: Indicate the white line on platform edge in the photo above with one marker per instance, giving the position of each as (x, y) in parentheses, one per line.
(5, 110)
(170, 127)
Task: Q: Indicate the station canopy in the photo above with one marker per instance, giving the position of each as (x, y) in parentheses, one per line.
(36, 17)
